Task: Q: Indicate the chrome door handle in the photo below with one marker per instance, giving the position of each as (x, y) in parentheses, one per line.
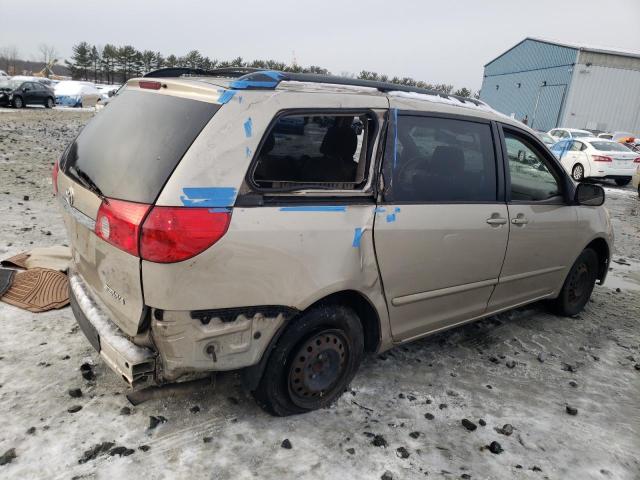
(519, 221)
(496, 221)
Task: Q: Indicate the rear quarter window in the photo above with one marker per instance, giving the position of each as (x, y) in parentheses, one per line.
(132, 146)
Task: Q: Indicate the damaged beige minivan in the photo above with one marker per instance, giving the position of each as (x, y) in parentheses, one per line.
(285, 224)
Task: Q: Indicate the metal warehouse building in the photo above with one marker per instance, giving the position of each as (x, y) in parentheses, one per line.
(560, 85)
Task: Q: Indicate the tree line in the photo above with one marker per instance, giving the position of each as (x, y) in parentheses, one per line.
(117, 64)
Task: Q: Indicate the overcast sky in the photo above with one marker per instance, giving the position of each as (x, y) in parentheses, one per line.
(440, 42)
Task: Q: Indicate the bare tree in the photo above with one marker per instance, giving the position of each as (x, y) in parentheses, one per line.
(48, 53)
(9, 58)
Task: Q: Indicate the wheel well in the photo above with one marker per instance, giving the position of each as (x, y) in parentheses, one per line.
(365, 311)
(599, 245)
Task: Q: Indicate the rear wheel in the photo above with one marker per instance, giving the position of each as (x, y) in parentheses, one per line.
(313, 362)
(578, 173)
(578, 285)
(622, 181)
(17, 102)
(48, 102)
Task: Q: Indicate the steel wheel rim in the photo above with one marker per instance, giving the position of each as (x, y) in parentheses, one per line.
(578, 283)
(317, 367)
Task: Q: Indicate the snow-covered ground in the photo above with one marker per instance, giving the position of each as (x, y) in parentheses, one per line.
(402, 414)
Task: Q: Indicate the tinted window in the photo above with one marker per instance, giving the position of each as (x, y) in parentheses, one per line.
(576, 146)
(130, 149)
(610, 147)
(531, 178)
(581, 134)
(442, 160)
(315, 151)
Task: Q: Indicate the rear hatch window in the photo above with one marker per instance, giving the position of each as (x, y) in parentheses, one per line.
(132, 146)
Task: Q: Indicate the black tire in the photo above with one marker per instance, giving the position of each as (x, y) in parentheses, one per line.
(578, 285)
(49, 102)
(17, 102)
(621, 182)
(577, 173)
(313, 362)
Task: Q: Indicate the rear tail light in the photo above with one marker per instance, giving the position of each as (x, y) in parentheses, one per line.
(600, 158)
(54, 177)
(119, 222)
(160, 234)
(174, 234)
(637, 160)
(150, 85)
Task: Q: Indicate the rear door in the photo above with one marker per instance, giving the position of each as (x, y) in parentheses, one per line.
(543, 234)
(441, 230)
(127, 153)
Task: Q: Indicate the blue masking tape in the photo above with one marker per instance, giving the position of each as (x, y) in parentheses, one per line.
(225, 96)
(357, 236)
(208, 196)
(248, 127)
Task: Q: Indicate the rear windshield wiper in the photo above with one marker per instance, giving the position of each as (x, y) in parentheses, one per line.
(86, 181)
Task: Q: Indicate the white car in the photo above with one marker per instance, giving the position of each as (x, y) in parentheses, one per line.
(591, 157)
(3, 73)
(567, 133)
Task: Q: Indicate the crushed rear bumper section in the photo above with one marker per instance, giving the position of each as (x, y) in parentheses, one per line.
(135, 364)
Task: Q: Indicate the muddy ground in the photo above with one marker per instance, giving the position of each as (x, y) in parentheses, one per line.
(402, 417)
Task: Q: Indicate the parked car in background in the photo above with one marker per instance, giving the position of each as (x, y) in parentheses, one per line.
(592, 157)
(18, 93)
(3, 74)
(30, 78)
(547, 139)
(204, 240)
(70, 93)
(565, 133)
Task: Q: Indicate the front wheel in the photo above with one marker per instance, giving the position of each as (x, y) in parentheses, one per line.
(313, 362)
(578, 173)
(17, 102)
(621, 182)
(578, 285)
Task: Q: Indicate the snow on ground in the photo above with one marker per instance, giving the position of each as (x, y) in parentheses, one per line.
(412, 398)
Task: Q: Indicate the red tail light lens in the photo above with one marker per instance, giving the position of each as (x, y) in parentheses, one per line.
(54, 177)
(119, 222)
(174, 234)
(150, 84)
(600, 158)
(637, 160)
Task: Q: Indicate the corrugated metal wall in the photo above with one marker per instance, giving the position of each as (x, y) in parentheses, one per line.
(513, 83)
(604, 95)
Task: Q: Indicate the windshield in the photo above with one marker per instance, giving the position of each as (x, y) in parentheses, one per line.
(581, 134)
(11, 84)
(546, 138)
(129, 150)
(610, 147)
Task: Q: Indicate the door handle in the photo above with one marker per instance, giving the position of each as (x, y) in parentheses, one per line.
(519, 221)
(496, 221)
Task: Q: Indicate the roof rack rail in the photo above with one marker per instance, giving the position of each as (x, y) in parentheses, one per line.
(229, 72)
(256, 78)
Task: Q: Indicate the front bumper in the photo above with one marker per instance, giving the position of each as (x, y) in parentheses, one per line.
(135, 364)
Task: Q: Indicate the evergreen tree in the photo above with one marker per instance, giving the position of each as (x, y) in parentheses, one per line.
(80, 61)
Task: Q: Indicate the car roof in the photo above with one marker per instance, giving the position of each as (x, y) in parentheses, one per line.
(409, 100)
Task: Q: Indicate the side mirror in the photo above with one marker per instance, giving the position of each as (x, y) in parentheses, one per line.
(25, 89)
(589, 194)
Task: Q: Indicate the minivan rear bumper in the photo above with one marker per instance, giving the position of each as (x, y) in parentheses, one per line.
(135, 364)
